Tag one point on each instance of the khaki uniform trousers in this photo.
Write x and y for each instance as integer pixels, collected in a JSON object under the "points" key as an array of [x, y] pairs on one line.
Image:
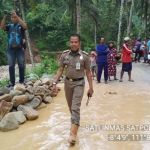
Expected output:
{"points": [[74, 93]]}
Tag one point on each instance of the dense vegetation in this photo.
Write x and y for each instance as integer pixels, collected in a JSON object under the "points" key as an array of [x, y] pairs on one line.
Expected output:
{"points": [[50, 23]]}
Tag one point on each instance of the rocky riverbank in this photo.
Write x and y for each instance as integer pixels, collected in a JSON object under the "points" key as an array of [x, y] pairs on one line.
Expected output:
{"points": [[22, 103]]}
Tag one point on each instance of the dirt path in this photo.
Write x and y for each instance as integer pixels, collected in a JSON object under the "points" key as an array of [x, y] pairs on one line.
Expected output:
{"points": [[130, 106]]}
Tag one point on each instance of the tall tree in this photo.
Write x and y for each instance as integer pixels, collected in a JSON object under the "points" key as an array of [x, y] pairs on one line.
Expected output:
{"points": [[130, 19], [27, 32], [120, 24], [78, 8]]}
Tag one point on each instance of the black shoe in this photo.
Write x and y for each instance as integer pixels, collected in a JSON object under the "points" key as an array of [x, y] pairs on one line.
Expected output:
{"points": [[10, 85]]}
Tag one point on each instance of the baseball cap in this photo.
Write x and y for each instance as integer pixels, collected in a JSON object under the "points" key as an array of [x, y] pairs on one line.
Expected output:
{"points": [[127, 39]]}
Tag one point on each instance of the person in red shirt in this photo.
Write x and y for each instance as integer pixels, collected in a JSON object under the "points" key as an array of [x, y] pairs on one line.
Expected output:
{"points": [[126, 59]]}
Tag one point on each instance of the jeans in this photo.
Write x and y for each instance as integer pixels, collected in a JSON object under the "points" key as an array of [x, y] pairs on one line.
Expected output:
{"points": [[102, 65], [12, 55]]}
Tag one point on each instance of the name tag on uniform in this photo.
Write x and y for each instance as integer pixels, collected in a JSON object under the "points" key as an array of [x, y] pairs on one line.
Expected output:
{"points": [[78, 66]]}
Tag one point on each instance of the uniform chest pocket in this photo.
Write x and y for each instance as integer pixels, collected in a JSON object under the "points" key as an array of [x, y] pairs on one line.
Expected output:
{"points": [[66, 61]]}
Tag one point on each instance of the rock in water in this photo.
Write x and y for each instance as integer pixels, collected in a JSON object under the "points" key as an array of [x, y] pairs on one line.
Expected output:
{"points": [[29, 112], [6, 97], [8, 123], [19, 117], [42, 105], [21, 99], [20, 87], [48, 99], [5, 108]]}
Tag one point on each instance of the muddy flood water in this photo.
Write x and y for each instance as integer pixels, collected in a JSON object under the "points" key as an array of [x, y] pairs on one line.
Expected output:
{"points": [[108, 123]]}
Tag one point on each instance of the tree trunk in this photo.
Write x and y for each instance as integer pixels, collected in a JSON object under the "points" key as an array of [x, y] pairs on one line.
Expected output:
{"points": [[95, 36], [130, 19], [27, 34], [78, 7], [120, 24]]}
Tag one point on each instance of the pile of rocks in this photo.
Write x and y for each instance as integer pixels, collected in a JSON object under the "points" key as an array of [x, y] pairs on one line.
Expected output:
{"points": [[21, 103]]}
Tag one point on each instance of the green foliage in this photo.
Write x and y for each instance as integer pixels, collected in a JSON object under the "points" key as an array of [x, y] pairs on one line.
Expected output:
{"points": [[4, 82], [3, 43], [47, 65], [41, 44]]}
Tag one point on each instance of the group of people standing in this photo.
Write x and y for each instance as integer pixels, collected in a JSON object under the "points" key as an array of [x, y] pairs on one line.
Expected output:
{"points": [[141, 48], [105, 58]]}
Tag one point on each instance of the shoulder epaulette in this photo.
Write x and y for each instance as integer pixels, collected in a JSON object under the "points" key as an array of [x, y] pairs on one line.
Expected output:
{"points": [[66, 51], [85, 53]]}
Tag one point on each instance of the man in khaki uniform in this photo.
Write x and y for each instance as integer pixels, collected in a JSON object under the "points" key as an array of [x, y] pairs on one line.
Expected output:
{"points": [[76, 63]]}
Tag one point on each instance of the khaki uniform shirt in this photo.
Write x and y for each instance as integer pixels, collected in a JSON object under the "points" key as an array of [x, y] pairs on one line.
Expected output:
{"points": [[69, 61]]}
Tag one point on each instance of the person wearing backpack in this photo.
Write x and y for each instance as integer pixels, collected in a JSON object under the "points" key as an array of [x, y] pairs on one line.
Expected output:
{"points": [[15, 50]]}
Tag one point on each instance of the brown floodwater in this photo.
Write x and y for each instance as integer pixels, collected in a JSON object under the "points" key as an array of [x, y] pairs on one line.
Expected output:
{"points": [[130, 106]]}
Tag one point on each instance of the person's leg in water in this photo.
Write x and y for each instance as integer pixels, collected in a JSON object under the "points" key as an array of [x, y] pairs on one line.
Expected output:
{"points": [[106, 72], [129, 74], [99, 73], [92, 69], [115, 77], [135, 58], [121, 75], [140, 55], [95, 71]]}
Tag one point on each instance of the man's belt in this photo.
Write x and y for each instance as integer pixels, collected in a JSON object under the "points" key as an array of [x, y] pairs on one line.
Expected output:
{"points": [[78, 79]]}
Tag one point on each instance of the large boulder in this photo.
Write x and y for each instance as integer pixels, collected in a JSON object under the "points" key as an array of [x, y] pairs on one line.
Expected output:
{"points": [[5, 90], [42, 105], [19, 117], [6, 97], [48, 99], [9, 122], [20, 87], [30, 90], [46, 81], [39, 97], [30, 96], [37, 83], [5, 108], [29, 83], [34, 103], [39, 90], [21, 99], [15, 93], [29, 112]]}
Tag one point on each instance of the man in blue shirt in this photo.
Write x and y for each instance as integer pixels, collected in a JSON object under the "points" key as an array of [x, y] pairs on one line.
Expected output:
{"points": [[102, 52]]}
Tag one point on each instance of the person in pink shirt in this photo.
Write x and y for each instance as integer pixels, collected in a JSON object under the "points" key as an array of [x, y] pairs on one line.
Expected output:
{"points": [[126, 59]]}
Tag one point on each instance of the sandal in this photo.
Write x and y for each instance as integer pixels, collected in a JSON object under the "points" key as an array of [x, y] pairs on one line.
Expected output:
{"points": [[120, 80], [106, 82], [131, 80]]}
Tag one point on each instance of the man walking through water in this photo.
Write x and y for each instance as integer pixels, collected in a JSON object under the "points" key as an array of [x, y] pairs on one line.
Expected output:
{"points": [[76, 63]]}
